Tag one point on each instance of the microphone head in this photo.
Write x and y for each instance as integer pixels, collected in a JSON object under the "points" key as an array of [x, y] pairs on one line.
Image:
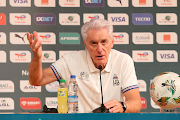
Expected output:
{"points": [[100, 67]]}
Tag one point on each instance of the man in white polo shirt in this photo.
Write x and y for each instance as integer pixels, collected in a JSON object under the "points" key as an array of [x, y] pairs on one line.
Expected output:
{"points": [[118, 74]]}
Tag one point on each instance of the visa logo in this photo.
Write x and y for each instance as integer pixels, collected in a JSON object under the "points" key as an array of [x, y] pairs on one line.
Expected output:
{"points": [[93, 1], [118, 19], [167, 56], [44, 18], [20, 1]]}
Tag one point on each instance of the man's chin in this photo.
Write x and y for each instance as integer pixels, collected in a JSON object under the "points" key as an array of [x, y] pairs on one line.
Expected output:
{"points": [[102, 63]]}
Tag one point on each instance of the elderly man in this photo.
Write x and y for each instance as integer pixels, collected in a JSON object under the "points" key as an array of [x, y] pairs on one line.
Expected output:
{"points": [[118, 74]]}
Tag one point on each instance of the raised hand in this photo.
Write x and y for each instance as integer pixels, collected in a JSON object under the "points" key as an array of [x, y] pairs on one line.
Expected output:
{"points": [[35, 45]]}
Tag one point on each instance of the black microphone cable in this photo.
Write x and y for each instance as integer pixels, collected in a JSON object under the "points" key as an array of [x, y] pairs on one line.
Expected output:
{"points": [[102, 104], [101, 109], [100, 68]]}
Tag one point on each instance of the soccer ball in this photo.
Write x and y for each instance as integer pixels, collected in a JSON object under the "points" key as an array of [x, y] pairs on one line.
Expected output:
{"points": [[165, 90]]}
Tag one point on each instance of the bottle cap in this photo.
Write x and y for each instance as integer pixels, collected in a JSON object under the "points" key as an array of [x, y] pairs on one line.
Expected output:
{"points": [[62, 80], [73, 76]]}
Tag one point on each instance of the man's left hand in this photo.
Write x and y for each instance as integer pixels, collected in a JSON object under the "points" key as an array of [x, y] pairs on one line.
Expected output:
{"points": [[114, 106]]}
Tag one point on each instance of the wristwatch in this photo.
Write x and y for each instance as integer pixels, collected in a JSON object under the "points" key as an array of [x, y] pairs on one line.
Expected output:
{"points": [[124, 106]]}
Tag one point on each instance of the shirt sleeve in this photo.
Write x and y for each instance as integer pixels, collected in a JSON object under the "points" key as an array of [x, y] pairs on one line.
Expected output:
{"points": [[129, 78], [60, 69]]}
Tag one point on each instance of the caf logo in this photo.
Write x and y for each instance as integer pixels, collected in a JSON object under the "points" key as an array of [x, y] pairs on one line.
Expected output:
{"points": [[115, 80]]}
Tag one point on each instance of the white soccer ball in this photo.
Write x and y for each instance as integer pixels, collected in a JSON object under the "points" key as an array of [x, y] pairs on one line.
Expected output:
{"points": [[165, 90]]}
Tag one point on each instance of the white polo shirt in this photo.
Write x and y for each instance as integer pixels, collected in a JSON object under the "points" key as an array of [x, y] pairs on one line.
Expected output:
{"points": [[117, 77]]}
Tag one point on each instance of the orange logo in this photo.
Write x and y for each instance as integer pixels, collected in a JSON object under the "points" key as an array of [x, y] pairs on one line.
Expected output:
{"points": [[2, 19], [167, 38], [142, 2], [44, 2]]}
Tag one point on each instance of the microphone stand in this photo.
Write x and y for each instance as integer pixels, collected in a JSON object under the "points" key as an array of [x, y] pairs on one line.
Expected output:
{"points": [[101, 109]]}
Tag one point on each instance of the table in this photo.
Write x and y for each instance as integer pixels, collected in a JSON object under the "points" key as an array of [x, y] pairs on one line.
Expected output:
{"points": [[90, 116]]}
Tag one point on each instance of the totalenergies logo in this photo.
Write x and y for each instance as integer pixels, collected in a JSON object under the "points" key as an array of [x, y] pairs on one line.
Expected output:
{"points": [[46, 37], [22, 55], [119, 37], [145, 54], [167, 18], [70, 0], [70, 18], [22, 17], [167, 0], [96, 16]]}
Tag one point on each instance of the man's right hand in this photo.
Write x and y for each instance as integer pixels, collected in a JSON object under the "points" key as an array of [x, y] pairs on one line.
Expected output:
{"points": [[37, 75], [35, 45]]}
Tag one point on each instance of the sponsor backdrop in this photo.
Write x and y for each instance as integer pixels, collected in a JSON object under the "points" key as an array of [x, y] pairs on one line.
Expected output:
{"points": [[147, 30]]}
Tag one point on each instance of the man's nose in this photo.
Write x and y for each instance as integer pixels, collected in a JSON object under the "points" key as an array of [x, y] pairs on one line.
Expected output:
{"points": [[99, 48]]}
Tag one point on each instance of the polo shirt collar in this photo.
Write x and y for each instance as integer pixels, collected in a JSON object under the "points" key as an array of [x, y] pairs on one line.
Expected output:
{"points": [[92, 67]]}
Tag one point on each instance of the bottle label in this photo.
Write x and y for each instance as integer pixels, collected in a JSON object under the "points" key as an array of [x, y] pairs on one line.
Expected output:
{"points": [[63, 93], [73, 99], [76, 88]]}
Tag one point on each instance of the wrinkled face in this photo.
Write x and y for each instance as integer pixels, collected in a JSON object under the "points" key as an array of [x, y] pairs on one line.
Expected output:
{"points": [[99, 45]]}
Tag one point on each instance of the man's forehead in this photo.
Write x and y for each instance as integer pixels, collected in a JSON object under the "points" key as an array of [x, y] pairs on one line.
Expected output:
{"points": [[103, 33], [97, 29]]}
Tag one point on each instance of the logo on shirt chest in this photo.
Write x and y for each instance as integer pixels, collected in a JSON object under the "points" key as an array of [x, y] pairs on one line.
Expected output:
{"points": [[84, 76], [115, 80]]}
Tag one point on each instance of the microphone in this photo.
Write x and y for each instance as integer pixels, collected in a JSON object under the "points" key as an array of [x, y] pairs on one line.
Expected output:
{"points": [[101, 109]]}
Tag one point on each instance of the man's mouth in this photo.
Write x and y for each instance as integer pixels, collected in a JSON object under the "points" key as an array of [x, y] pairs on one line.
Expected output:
{"points": [[99, 56]]}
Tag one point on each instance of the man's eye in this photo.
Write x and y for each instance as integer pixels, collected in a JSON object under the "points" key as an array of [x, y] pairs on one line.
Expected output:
{"points": [[104, 41], [93, 43]]}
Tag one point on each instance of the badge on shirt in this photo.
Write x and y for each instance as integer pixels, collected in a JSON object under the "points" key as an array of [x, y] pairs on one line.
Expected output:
{"points": [[115, 80], [84, 76]]}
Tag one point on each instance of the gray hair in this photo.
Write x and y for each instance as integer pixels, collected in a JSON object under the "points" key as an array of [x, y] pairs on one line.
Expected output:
{"points": [[96, 24]]}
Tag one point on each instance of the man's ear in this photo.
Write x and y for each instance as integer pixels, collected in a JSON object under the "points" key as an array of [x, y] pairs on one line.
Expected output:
{"points": [[85, 43], [112, 43]]}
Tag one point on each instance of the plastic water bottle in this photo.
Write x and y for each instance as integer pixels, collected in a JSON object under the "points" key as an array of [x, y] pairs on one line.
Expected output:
{"points": [[62, 97], [73, 95]]}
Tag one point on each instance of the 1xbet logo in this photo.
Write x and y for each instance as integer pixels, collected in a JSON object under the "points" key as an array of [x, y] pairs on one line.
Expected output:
{"points": [[94, 3], [45, 19]]}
